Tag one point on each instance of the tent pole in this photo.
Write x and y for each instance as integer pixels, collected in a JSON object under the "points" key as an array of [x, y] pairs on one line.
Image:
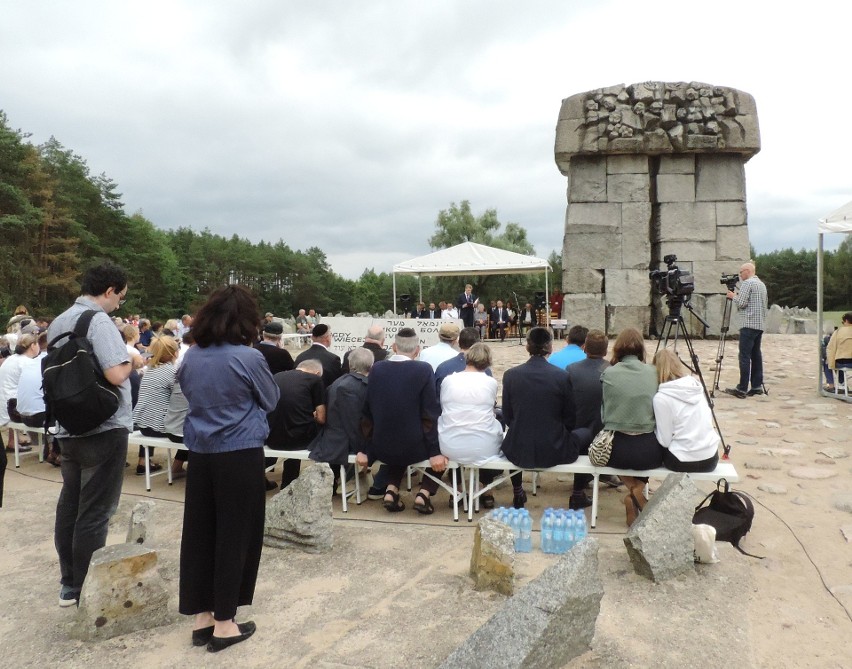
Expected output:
{"points": [[547, 295], [420, 284], [394, 293], [819, 311]]}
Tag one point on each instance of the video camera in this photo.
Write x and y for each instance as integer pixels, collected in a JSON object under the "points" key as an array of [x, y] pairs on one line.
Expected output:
{"points": [[730, 280], [672, 281]]}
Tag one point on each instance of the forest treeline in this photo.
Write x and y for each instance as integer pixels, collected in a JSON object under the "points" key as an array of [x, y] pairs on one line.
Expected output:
{"points": [[56, 219]]}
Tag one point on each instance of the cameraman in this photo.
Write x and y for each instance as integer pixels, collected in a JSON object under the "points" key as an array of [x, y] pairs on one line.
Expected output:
{"points": [[751, 302]]}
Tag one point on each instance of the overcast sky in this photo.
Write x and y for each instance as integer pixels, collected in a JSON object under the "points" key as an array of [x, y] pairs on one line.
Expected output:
{"points": [[349, 125]]}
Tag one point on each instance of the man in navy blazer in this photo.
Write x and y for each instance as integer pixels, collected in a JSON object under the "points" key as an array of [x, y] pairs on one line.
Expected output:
{"points": [[402, 413], [466, 303], [539, 410]]}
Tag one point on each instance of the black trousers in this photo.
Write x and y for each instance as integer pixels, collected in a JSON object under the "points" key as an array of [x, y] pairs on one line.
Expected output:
{"points": [[183, 456], [671, 462], [222, 539]]}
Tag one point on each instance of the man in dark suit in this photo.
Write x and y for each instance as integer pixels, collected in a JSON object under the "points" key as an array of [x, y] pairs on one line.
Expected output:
{"points": [[539, 410], [373, 342], [402, 411], [278, 359], [466, 304], [500, 320], [584, 378], [331, 367], [432, 313], [526, 319]]}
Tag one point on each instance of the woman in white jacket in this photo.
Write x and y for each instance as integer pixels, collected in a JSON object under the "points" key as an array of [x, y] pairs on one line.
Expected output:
{"points": [[684, 422]]}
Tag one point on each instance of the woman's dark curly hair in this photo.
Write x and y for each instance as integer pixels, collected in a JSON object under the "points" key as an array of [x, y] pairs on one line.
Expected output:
{"points": [[230, 316]]}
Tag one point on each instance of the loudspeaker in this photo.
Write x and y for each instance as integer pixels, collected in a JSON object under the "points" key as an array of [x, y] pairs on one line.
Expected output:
{"points": [[539, 300]]}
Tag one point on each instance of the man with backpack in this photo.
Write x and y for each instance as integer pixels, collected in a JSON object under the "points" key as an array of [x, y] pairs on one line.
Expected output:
{"points": [[94, 416]]}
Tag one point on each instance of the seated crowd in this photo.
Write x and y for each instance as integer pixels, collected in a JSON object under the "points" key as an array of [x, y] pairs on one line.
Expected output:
{"points": [[436, 404]]}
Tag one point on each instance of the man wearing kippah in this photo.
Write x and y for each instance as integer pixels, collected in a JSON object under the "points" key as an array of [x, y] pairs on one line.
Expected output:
{"points": [[319, 350]]}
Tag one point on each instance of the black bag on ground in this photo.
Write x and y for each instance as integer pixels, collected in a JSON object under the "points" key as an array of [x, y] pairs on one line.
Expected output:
{"points": [[730, 512], [76, 394]]}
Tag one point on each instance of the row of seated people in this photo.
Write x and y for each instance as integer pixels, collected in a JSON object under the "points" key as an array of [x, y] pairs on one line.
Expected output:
{"points": [[441, 410]]}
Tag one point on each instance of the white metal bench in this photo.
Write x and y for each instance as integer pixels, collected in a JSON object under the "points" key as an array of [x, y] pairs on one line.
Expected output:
{"points": [[725, 469], [38, 448], [138, 439]]}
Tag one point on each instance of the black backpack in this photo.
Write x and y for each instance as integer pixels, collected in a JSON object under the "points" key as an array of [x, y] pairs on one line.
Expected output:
{"points": [[76, 394], [729, 511]]}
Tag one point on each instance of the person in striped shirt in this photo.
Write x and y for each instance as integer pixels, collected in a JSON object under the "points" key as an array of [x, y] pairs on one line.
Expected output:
{"points": [[154, 392]]}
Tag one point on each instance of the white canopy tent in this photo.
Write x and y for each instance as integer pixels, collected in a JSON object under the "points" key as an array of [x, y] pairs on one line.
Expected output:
{"points": [[840, 221], [469, 258]]}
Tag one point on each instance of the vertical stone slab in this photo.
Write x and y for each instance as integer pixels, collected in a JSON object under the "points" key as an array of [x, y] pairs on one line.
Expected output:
{"points": [[137, 533], [123, 592], [660, 542], [300, 515], [492, 562], [545, 625]]}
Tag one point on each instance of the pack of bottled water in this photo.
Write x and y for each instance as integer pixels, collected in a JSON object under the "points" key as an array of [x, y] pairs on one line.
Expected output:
{"points": [[520, 521], [562, 529]]}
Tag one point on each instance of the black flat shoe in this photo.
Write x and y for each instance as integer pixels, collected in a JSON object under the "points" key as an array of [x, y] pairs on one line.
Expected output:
{"points": [[201, 637], [221, 643], [519, 500]]}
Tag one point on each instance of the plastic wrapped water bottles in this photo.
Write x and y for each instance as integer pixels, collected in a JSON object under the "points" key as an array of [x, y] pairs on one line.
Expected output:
{"points": [[561, 529]]}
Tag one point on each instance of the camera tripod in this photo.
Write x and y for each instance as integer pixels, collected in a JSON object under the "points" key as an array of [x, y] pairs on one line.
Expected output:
{"points": [[720, 352], [674, 323]]}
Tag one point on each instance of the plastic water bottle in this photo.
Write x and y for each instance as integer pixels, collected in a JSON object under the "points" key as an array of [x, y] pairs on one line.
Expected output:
{"points": [[526, 532], [558, 532], [571, 527], [547, 531], [580, 529], [570, 533], [515, 524]]}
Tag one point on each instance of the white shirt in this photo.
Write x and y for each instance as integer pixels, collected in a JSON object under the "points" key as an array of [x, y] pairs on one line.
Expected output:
{"points": [[436, 354], [10, 374], [468, 431], [684, 422], [30, 394], [450, 314]]}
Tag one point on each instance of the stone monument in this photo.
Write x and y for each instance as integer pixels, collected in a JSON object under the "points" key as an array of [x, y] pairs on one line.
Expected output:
{"points": [[653, 169]]}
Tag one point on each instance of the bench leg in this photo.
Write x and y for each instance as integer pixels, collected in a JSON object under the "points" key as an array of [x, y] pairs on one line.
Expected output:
{"points": [[473, 498], [147, 469], [535, 483], [17, 446], [594, 514], [358, 499], [169, 465], [343, 488], [455, 496]]}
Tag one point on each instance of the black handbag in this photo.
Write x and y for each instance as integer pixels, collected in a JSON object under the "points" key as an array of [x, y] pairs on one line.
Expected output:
{"points": [[729, 512]]}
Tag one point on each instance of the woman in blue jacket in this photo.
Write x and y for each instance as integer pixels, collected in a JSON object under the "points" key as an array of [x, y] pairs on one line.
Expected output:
{"points": [[229, 389]]}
